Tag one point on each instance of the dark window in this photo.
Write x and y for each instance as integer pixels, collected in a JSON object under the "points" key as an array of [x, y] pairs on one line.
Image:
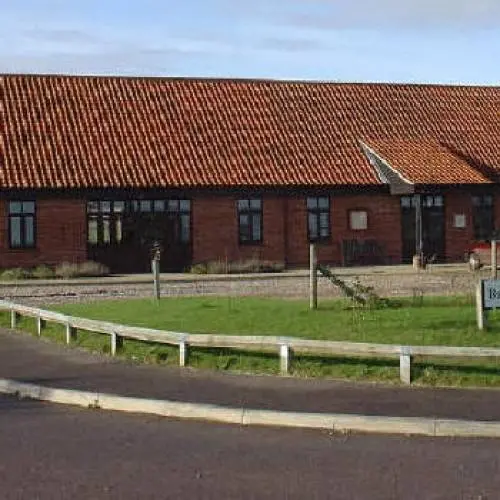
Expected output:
{"points": [[250, 220], [22, 233], [181, 209], [483, 218], [318, 218], [105, 222]]}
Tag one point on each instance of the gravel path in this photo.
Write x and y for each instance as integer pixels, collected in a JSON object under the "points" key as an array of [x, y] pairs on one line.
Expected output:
{"points": [[386, 284]]}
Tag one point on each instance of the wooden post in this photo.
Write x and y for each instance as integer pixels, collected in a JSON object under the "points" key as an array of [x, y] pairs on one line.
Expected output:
{"points": [[155, 268], [284, 359], [405, 359], [419, 243], [116, 343], [494, 272], [70, 333], [480, 311], [183, 351], [40, 325], [313, 277], [13, 318]]}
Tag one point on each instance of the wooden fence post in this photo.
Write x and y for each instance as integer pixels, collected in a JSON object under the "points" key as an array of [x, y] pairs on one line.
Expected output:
{"points": [[116, 343], [405, 359], [284, 359], [155, 267], [313, 277], [480, 311], [13, 318], [70, 333], [183, 352], [40, 325]]}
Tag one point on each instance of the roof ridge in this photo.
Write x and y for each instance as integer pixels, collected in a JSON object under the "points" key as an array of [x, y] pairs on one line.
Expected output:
{"points": [[228, 79]]}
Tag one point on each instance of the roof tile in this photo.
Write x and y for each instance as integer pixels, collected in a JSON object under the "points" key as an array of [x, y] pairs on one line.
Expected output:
{"points": [[84, 132]]}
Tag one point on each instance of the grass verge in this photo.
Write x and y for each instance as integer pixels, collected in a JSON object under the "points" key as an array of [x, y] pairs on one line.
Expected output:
{"points": [[427, 321]]}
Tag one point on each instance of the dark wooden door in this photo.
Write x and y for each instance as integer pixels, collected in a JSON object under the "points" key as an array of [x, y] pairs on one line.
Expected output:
{"points": [[433, 227]]}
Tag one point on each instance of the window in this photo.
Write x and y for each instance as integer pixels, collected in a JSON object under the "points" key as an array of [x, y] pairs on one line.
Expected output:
{"points": [[483, 216], [318, 218], [105, 222], [459, 221], [358, 220], [181, 210], [22, 232], [250, 220]]}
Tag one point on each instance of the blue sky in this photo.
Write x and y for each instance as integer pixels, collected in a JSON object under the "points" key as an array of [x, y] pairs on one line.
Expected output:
{"points": [[439, 41]]}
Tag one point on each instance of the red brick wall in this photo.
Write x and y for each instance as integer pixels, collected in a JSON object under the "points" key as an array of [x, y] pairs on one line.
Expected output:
{"points": [[60, 235], [215, 230], [213, 239], [61, 229]]}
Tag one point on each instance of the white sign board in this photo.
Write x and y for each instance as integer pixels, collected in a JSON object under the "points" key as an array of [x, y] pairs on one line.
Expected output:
{"points": [[491, 294]]}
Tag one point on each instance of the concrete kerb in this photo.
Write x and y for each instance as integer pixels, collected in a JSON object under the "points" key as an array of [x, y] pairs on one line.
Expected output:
{"points": [[342, 423]]}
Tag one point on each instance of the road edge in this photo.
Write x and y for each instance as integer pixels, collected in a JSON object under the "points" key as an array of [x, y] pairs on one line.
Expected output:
{"points": [[334, 422]]}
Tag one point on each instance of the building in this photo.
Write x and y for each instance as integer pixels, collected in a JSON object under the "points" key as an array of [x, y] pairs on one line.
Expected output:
{"points": [[101, 167]]}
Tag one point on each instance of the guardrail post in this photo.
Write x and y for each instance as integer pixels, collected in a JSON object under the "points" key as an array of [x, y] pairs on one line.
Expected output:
{"points": [[14, 316], [116, 343], [183, 353], [40, 325], [70, 333], [284, 359], [405, 359]]}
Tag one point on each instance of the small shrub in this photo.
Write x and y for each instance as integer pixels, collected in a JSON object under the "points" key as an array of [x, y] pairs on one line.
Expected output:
{"points": [[92, 269], [217, 267], [200, 268], [66, 270], [42, 272], [237, 267], [87, 269], [15, 273]]}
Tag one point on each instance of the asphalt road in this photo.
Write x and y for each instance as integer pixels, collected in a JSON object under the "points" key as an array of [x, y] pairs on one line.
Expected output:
{"points": [[55, 452]]}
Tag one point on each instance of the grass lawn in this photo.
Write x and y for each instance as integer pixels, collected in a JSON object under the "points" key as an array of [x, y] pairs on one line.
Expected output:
{"points": [[431, 321]]}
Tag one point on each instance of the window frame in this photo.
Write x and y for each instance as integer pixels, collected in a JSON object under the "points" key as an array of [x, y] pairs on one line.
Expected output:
{"points": [[112, 215], [23, 216], [353, 211], [317, 212], [479, 209], [173, 208], [250, 212]]}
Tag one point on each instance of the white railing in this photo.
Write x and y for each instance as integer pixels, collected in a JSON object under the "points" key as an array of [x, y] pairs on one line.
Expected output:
{"points": [[284, 346]]}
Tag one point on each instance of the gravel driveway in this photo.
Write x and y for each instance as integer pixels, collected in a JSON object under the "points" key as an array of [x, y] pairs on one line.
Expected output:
{"points": [[433, 282]]}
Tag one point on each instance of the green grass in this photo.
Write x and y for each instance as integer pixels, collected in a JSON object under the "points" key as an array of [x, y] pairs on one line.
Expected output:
{"points": [[429, 321]]}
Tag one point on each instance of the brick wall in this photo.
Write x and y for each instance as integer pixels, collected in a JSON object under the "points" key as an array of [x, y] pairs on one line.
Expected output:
{"points": [[61, 229], [215, 230], [285, 229], [60, 235]]}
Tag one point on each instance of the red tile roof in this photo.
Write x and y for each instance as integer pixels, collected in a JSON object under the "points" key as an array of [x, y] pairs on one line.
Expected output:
{"points": [[426, 161], [79, 132]]}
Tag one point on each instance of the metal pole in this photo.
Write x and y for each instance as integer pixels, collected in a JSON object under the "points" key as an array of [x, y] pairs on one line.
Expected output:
{"points": [[494, 272], [418, 228], [313, 277]]}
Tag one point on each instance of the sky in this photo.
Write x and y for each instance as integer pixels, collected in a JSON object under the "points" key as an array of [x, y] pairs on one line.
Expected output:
{"points": [[425, 41]]}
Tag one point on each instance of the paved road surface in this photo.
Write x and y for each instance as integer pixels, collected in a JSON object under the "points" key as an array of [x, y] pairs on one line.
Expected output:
{"points": [[55, 452], [25, 358]]}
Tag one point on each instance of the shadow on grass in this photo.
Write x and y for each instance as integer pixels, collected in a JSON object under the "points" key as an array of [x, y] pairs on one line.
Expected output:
{"points": [[419, 369]]}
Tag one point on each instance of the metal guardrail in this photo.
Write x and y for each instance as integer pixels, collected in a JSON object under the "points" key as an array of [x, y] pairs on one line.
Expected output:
{"points": [[283, 345]]}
